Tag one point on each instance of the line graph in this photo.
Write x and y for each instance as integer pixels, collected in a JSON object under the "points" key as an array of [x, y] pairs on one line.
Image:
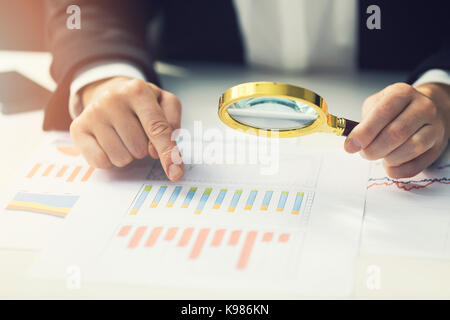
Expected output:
{"points": [[407, 185]]}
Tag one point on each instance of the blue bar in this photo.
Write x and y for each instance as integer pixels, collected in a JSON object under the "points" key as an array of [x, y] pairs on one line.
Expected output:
{"points": [[174, 196], [220, 198], [235, 200], [266, 200], [251, 199], [158, 196], [142, 197], [297, 203], [160, 193], [282, 201], [203, 199], [189, 197]]}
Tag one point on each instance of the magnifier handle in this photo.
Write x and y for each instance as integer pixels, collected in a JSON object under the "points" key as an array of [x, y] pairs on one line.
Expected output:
{"points": [[349, 125]]}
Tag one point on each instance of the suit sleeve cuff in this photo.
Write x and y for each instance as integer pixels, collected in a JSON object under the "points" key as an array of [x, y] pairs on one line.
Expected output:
{"points": [[434, 76], [98, 71]]}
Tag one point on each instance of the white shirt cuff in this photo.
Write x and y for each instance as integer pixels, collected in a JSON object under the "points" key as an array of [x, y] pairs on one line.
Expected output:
{"points": [[98, 71], [435, 76]]}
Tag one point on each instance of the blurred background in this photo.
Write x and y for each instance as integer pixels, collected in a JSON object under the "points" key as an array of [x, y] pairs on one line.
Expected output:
{"points": [[22, 25]]}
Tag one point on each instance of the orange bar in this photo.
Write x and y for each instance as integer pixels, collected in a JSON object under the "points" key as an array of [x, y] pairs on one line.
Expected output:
{"points": [[33, 171], [74, 174], [284, 237], [48, 170], [69, 150], [137, 236], [217, 238], [246, 250], [198, 245], [153, 237], [124, 231], [267, 237], [171, 233], [87, 175], [234, 238], [185, 237], [62, 171]]}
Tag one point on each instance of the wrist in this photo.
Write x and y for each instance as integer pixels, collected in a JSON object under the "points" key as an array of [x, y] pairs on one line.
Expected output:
{"points": [[90, 90]]}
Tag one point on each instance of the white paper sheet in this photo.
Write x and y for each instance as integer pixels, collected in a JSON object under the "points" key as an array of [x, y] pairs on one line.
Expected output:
{"points": [[46, 192], [409, 217], [129, 230]]}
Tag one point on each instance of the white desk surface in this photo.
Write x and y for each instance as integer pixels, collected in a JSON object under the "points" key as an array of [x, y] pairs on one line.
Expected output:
{"points": [[199, 86]]}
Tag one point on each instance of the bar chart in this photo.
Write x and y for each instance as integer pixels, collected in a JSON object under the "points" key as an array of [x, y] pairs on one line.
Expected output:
{"points": [[50, 204], [191, 244], [219, 199], [62, 172]]}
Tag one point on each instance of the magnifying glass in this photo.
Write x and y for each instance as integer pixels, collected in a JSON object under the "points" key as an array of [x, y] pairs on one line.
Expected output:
{"points": [[278, 109]]}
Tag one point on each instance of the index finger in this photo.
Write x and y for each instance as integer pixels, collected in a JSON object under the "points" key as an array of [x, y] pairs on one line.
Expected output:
{"points": [[394, 100], [158, 130]]}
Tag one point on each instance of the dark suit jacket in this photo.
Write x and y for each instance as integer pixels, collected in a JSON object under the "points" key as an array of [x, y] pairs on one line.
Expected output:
{"points": [[414, 36]]}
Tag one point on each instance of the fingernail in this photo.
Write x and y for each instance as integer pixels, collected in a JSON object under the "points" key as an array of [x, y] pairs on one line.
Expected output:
{"points": [[175, 156], [175, 172], [353, 145]]}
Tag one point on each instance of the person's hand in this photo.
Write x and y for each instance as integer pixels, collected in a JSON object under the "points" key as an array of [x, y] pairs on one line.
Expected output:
{"points": [[407, 127], [125, 119]]}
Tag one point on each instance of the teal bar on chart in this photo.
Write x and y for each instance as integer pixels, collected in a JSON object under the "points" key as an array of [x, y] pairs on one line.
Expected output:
{"points": [[174, 196], [220, 198], [251, 199], [158, 196], [282, 201], [189, 197], [235, 200], [141, 199], [203, 200], [266, 200], [298, 203]]}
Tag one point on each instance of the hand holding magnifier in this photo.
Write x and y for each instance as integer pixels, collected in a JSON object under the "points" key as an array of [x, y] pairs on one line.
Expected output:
{"points": [[287, 110]]}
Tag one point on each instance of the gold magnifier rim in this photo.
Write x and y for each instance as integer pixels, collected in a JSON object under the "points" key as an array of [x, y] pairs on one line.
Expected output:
{"points": [[323, 123]]}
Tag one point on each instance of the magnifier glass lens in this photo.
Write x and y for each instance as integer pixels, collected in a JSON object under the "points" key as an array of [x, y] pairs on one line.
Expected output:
{"points": [[270, 113]]}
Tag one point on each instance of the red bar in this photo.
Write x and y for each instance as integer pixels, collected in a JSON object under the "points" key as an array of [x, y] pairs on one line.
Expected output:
{"points": [[33, 171], [171, 233], [246, 250], [185, 237], [267, 237], [198, 245], [124, 231], [153, 237], [87, 175], [48, 170], [74, 174], [284, 237], [217, 238], [62, 171], [137, 237], [234, 238]]}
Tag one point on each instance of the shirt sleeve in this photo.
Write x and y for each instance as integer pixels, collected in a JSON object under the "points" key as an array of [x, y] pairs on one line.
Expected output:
{"points": [[98, 71], [434, 75]]}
